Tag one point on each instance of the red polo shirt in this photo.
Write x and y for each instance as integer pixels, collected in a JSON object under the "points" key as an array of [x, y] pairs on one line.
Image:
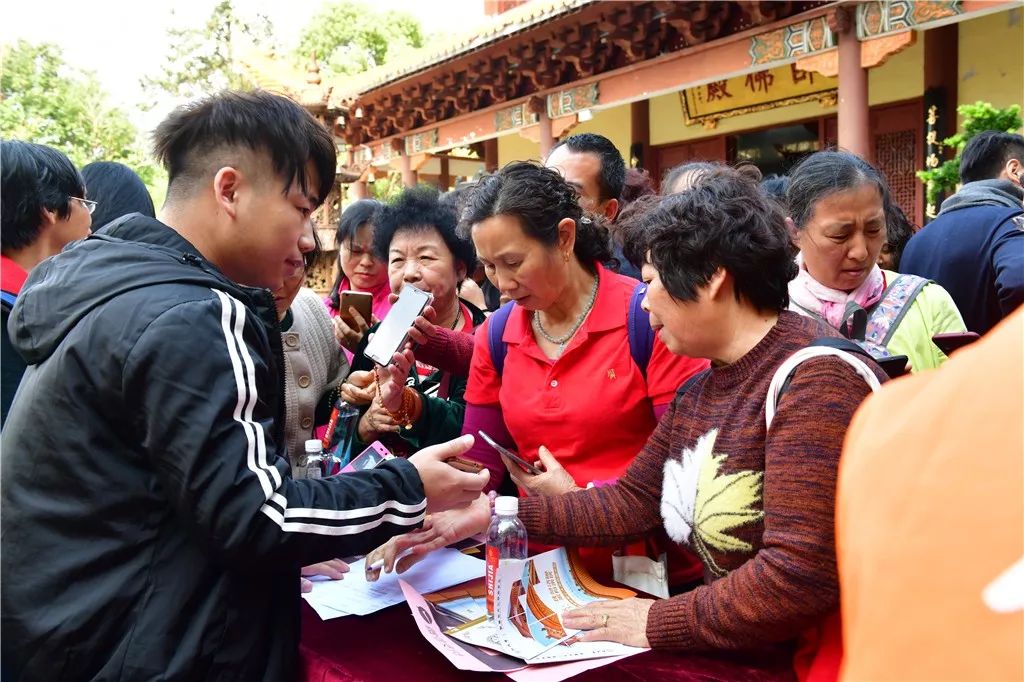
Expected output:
{"points": [[591, 407], [12, 277]]}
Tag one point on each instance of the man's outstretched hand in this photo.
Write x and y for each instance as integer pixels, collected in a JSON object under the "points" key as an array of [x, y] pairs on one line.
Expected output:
{"points": [[445, 486]]}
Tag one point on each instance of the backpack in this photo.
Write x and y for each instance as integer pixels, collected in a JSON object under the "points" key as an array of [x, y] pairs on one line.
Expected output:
{"points": [[7, 300], [844, 349], [638, 329], [872, 328]]}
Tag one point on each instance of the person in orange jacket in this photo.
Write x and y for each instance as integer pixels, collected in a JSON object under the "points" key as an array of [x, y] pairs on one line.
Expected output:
{"points": [[930, 521]]}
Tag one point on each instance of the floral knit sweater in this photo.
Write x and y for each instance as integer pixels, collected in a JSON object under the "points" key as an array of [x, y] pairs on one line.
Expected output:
{"points": [[756, 505]]}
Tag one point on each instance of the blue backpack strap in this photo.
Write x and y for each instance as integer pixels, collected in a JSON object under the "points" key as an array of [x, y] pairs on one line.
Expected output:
{"points": [[688, 384], [8, 299], [495, 330], [638, 329]]}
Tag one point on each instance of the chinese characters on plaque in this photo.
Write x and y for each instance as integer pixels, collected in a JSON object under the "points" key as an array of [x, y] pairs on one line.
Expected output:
{"points": [[754, 92]]}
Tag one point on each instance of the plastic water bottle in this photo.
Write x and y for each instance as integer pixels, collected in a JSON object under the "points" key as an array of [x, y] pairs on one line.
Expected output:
{"points": [[506, 539], [310, 465]]}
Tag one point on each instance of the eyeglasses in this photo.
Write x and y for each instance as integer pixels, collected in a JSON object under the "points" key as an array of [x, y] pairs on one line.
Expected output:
{"points": [[88, 204]]}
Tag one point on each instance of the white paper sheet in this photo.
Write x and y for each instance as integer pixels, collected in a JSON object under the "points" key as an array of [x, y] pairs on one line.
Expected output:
{"points": [[354, 595]]}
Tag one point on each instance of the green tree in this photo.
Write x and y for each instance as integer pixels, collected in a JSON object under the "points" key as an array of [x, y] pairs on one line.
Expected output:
{"points": [[350, 37], [978, 118], [44, 100], [201, 59]]}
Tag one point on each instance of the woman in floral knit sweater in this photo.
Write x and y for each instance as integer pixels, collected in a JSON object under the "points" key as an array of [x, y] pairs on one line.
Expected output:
{"points": [[755, 503]]}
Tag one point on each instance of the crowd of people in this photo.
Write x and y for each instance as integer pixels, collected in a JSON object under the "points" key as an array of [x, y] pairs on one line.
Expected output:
{"points": [[683, 367]]}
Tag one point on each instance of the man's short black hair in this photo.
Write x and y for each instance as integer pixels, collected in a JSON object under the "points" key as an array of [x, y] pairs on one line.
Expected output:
{"points": [[985, 155], [34, 177], [199, 138], [613, 167], [419, 209], [723, 221]]}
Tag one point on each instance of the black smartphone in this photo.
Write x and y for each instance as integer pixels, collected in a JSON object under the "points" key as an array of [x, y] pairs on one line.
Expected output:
{"points": [[394, 328], [951, 341], [894, 365], [511, 455]]}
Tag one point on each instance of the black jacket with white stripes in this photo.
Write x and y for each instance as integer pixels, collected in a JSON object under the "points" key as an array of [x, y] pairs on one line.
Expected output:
{"points": [[150, 526]]}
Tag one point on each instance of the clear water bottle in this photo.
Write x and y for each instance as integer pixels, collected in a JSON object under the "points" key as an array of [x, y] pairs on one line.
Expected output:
{"points": [[311, 463], [506, 539]]}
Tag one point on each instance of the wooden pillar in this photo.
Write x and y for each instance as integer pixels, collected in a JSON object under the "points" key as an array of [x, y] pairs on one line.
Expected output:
{"points": [[444, 180], [409, 178], [491, 155], [359, 190], [539, 105], [854, 133], [640, 128], [941, 47]]}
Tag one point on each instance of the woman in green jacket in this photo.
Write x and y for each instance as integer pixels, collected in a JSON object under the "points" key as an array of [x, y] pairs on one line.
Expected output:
{"points": [[838, 205], [415, 235]]}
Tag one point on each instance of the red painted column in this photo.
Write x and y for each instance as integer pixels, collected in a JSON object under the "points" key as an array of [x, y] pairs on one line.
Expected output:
{"points": [[444, 180], [539, 105], [547, 138], [854, 132], [491, 155], [409, 176]]}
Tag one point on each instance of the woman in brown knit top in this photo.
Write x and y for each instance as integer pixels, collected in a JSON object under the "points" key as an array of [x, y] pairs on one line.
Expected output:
{"points": [[755, 503]]}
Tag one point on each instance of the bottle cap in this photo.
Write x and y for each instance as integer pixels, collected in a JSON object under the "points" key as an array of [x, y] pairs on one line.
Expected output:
{"points": [[313, 446], [506, 506]]}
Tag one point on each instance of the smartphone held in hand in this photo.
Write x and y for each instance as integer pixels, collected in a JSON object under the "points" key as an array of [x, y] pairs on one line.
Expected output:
{"points": [[391, 335], [360, 300], [511, 455]]}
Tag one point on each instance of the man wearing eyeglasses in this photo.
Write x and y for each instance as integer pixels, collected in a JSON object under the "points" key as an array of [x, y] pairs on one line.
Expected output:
{"points": [[43, 208]]}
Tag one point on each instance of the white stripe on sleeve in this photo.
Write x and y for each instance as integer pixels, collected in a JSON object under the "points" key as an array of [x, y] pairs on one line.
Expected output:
{"points": [[248, 427]]}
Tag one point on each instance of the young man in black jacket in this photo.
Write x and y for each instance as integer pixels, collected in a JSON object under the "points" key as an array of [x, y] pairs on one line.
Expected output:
{"points": [[151, 528]]}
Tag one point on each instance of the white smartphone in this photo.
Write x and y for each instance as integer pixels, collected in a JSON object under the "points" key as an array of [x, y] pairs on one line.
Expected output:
{"points": [[391, 335]]}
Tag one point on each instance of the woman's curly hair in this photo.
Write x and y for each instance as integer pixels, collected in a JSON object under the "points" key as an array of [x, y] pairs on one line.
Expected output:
{"points": [[722, 221], [539, 198], [419, 209]]}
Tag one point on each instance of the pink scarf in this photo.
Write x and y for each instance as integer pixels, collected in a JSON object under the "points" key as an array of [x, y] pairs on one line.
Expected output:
{"points": [[814, 297]]}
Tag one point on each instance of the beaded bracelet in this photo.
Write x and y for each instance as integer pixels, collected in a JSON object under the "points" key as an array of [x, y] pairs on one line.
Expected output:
{"points": [[404, 415]]}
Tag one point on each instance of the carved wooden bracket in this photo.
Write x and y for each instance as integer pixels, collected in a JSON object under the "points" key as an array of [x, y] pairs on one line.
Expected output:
{"points": [[876, 51], [826, 63]]}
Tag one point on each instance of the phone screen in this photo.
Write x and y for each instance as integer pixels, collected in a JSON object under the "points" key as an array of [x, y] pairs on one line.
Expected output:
{"points": [[369, 458], [390, 336]]}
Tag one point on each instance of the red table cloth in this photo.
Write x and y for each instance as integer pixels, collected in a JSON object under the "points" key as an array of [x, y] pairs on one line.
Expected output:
{"points": [[387, 647]]}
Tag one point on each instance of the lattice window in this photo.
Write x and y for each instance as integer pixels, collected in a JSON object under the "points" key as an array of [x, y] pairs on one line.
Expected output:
{"points": [[320, 277], [896, 157]]}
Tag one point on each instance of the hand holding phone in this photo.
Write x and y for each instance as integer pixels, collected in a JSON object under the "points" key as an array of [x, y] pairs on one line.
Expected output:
{"points": [[394, 328], [361, 301], [463, 464], [529, 468]]}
